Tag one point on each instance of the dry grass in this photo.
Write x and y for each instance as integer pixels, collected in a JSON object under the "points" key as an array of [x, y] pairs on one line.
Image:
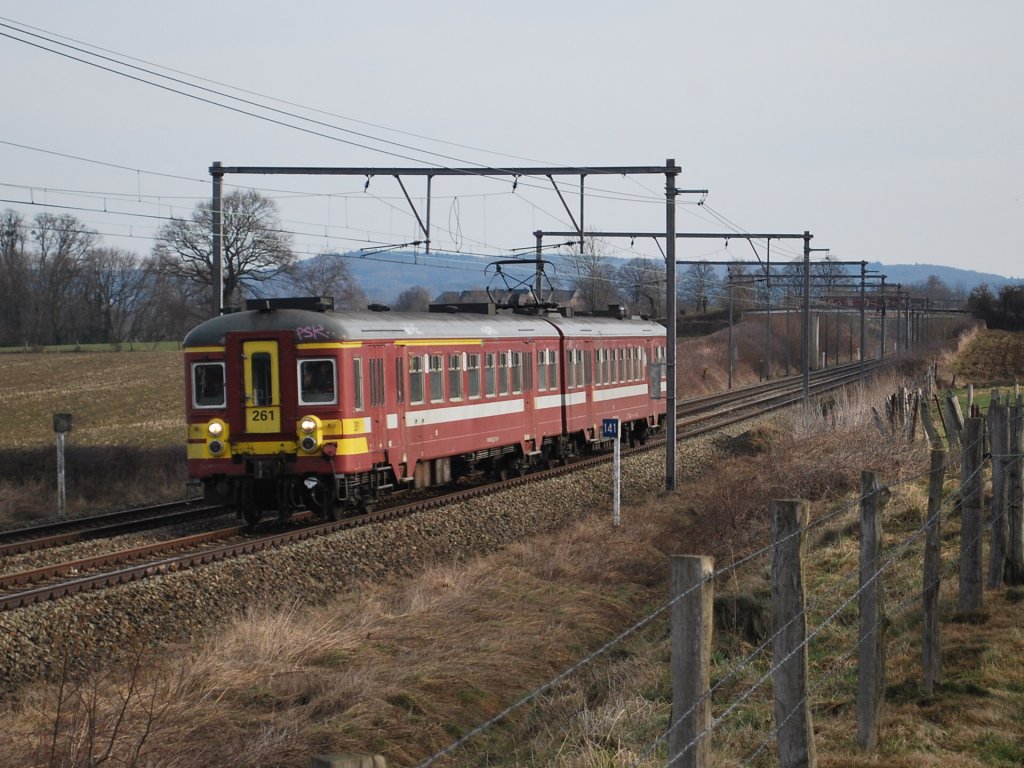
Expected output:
{"points": [[405, 667], [127, 440]]}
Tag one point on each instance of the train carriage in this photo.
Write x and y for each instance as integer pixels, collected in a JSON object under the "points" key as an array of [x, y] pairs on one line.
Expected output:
{"points": [[292, 405]]}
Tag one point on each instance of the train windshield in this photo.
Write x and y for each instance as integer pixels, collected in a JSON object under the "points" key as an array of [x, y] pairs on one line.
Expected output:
{"points": [[317, 382], [208, 385]]}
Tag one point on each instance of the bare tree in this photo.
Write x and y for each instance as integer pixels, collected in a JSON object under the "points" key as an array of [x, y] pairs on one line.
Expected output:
{"points": [[828, 276], [593, 275], [112, 281], [642, 282], [415, 299], [328, 275], [61, 245], [14, 278], [699, 286], [254, 247]]}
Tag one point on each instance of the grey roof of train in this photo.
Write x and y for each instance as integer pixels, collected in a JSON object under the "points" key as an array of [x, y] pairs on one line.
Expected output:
{"points": [[362, 326]]}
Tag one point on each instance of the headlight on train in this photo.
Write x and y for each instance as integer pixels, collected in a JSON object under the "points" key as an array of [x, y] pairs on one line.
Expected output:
{"points": [[215, 428], [310, 433]]}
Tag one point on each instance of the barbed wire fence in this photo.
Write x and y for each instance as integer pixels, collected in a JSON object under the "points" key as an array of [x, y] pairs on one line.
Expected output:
{"points": [[972, 460]]}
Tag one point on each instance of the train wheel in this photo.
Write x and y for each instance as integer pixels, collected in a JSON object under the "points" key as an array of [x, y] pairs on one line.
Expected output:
{"points": [[251, 516], [245, 504]]}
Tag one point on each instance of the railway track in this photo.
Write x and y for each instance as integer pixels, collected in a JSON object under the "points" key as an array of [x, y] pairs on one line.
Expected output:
{"points": [[60, 532], [696, 416]]}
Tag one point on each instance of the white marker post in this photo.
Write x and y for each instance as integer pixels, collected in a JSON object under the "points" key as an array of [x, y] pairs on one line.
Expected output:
{"points": [[610, 429], [61, 425]]}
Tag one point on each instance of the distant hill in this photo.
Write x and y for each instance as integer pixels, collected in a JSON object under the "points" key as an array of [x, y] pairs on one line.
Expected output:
{"points": [[957, 279], [383, 276]]}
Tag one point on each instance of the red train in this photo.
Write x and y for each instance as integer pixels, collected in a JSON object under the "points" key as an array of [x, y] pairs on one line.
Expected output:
{"points": [[291, 405]]}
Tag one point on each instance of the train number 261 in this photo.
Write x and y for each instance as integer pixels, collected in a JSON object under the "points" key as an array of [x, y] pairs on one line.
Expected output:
{"points": [[262, 415]]}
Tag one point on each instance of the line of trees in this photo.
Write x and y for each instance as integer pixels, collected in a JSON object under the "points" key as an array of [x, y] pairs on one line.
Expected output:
{"points": [[639, 284], [1003, 310], [61, 285]]}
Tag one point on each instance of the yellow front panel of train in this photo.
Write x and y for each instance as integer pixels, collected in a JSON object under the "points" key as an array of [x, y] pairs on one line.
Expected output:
{"points": [[262, 380]]}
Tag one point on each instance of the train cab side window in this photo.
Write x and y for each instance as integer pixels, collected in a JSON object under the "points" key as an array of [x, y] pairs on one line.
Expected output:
{"points": [[317, 382], [473, 375], [357, 383], [415, 380], [208, 385]]}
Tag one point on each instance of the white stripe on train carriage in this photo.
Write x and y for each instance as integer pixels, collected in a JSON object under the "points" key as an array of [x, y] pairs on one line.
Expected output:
{"points": [[463, 412], [635, 390], [555, 401]]}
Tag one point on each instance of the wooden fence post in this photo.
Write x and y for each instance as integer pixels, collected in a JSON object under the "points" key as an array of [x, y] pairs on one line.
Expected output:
{"points": [[927, 422], [971, 530], [931, 646], [1015, 496], [795, 732], [954, 420], [871, 634], [689, 737], [999, 438]]}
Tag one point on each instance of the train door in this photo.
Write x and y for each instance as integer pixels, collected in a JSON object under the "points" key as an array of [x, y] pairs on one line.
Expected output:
{"points": [[261, 378]]}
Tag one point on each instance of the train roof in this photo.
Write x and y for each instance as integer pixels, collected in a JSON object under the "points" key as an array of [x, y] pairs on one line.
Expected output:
{"points": [[586, 326], [365, 326]]}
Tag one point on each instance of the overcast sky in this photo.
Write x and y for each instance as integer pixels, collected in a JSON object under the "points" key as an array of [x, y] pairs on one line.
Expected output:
{"points": [[893, 131]]}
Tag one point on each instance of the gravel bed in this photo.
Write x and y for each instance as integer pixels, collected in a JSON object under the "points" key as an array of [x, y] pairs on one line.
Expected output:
{"points": [[183, 606]]}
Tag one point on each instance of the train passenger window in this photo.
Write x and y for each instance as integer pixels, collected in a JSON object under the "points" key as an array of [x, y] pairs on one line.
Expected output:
{"points": [[316, 381], [436, 373], [527, 371], [552, 369], [489, 374], [357, 382], [588, 366], [517, 372], [262, 379], [399, 382], [455, 377], [606, 375], [503, 373], [570, 368], [621, 354], [542, 370], [208, 385], [473, 375], [415, 380], [597, 366]]}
